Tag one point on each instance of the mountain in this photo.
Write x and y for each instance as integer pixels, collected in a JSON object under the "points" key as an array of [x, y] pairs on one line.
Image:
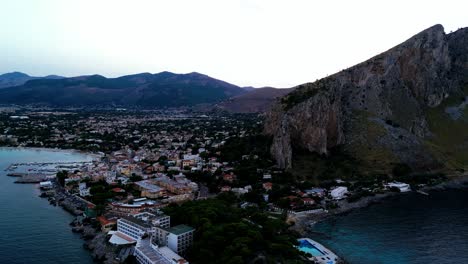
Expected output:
{"points": [[258, 100], [163, 89], [249, 88], [406, 105], [19, 78]]}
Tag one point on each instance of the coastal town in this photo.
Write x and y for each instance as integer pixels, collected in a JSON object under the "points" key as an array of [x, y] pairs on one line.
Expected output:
{"points": [[148, 164]]}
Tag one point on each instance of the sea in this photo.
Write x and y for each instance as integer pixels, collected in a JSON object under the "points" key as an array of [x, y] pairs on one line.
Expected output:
{"points": [[31, 230], [407, 229]]}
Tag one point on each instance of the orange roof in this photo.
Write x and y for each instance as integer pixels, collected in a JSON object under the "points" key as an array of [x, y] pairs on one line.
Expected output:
{"points": [[104, 221], [118, 190]]}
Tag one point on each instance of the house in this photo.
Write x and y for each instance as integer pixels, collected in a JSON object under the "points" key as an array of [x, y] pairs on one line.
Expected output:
{"points": [[320, 192], [118, 190], [339, 192], [226, 188], [106, 224], [308, 201], [229, 177], [403, 187], [46, 185], [267, 186]]}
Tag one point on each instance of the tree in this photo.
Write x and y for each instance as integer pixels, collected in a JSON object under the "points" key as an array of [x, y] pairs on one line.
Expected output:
{"points": [[61, 176]]}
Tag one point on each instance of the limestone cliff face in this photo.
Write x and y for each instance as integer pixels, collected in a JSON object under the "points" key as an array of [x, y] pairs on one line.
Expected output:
{"points": [[396, 86]]}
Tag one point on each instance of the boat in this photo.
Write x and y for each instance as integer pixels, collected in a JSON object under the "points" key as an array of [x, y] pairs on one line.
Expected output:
{"points": [[422, 192], [317, 252]]}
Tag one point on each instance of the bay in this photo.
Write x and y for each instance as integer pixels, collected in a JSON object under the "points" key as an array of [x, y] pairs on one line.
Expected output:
{"points": [[31, 230], [406, 229]]}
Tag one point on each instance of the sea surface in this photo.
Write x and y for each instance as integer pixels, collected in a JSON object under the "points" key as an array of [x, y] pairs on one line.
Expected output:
{"points": [[31, 230], [407, 229]]}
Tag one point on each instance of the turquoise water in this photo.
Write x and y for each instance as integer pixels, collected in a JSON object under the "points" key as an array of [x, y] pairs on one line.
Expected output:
{"points": [[31, 230], [306, 247], [409, 229]]}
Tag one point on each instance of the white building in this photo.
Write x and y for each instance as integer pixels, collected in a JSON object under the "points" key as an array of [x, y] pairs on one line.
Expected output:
{"points": [[46, 185], [83, 190], [147, 252], [180, 238], [403, 187], [133, 227], [339, 192]]}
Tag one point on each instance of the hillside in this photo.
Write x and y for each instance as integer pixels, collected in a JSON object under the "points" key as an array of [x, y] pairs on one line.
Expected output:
{"points": [[256, 101], [164, 89], [18, 78], [406, 105]]}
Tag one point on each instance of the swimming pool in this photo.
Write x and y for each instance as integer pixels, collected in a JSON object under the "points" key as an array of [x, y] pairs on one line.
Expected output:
{"points": [[307, 247]]}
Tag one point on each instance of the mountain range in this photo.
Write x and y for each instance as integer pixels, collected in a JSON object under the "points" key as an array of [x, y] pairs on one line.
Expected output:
{"points": [[406, 105], [163, 89], [19, 78]]}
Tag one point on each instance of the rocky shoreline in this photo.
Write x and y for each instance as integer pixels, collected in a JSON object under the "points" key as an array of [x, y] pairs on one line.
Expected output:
{"points": [[94, 240]]}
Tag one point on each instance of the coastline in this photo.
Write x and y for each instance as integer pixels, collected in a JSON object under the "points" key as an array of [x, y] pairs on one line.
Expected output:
{"points": [[93, 240], [304, 224], [91, 154]]}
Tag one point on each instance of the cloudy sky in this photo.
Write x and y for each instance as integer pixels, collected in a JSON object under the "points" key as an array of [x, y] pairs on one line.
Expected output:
{"points": [[245, 42]]}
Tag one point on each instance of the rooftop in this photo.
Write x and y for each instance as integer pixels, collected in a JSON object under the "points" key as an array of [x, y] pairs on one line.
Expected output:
{"points": [[136, 221], [149, 185], [180, 229], [145, 247]]}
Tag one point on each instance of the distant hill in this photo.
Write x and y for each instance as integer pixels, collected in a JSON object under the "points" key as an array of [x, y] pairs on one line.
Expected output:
{"points": [[163, 89], [249, 88], [257, 101], [18, 78]]}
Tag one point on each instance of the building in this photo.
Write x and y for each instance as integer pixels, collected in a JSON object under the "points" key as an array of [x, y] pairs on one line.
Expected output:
{"points": [[46, 185], [84, 191], [403, 187], [149, 189], [133, 227], [106, 224], [140, 226], [138, 206], [148, 253], [339, 192], [178, 238], [156, 219], [267, 186], [320, 192]]}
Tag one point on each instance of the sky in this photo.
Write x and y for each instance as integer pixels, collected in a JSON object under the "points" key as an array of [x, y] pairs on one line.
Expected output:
{"points": [[244, 42]]}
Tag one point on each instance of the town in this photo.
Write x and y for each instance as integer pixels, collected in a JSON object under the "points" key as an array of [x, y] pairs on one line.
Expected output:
{"points": [[150, 166]]}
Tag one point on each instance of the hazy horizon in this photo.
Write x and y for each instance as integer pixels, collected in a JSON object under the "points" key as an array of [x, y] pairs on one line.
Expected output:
{"points": [[247, 43]]}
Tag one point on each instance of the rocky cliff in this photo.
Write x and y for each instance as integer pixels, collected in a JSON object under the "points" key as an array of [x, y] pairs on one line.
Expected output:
{"points": [[378, 109]]}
